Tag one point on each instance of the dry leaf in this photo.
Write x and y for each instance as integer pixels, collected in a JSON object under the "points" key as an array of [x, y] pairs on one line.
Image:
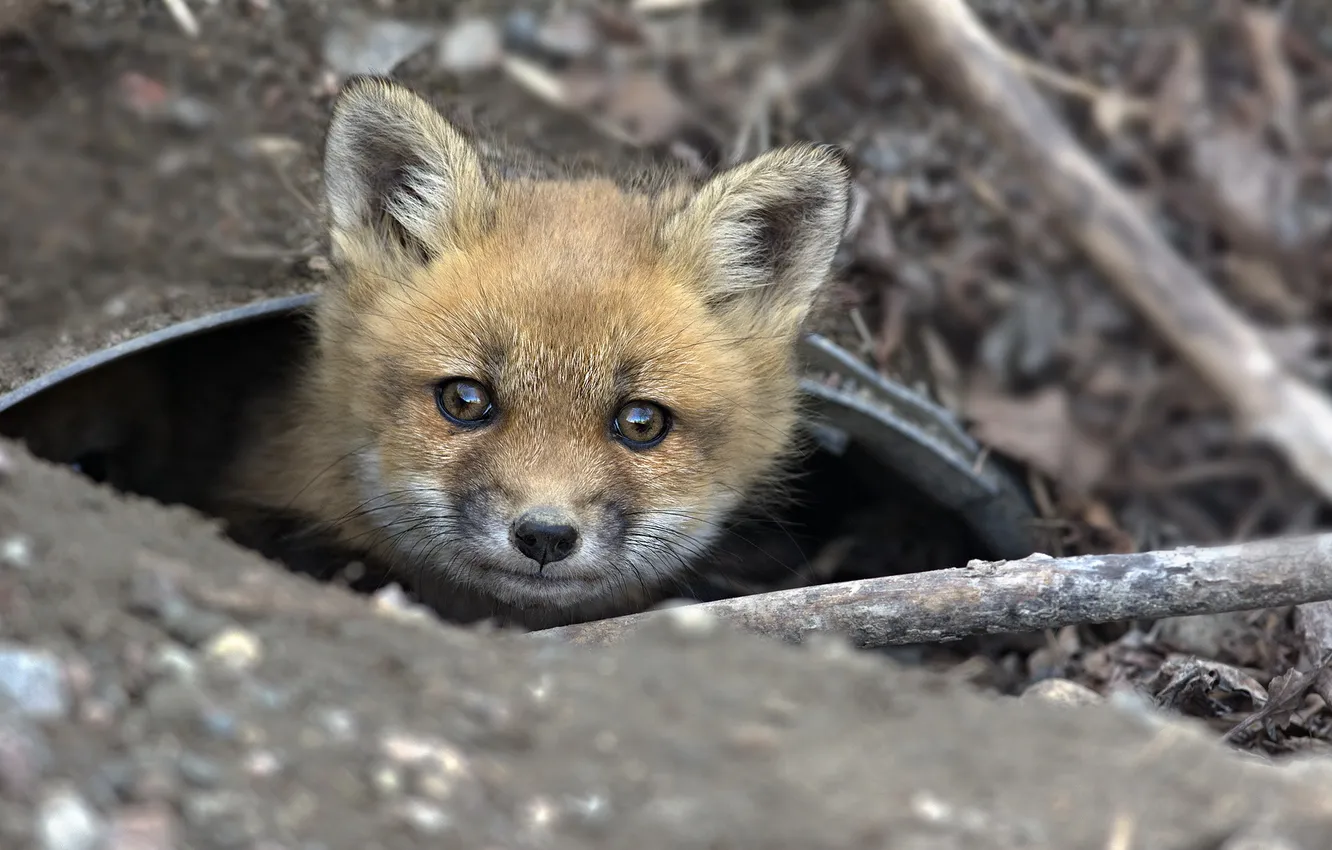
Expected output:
{"points": [[1286, 696], [1114, 539], [1193, 685], [873, 243], [1181, 98], [15, 14], [1262, 285], [1039, 430], [645, 108], [471, 45], [1254, 189], [1264, 33]]}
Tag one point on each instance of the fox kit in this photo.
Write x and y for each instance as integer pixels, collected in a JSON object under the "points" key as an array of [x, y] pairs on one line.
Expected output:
{"points": [[539, 399]]}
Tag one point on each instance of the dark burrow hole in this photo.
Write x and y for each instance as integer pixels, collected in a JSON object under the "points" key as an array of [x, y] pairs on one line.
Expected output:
{"points": [[852, 516]]}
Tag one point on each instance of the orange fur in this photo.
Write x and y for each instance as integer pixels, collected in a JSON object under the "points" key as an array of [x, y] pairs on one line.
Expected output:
{"points": [[567, 298]]}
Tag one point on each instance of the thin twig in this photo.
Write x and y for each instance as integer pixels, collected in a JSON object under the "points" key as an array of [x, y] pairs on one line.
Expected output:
{"points": [[1034, 593], [1131, 108], [952, 48], [183, 17]]}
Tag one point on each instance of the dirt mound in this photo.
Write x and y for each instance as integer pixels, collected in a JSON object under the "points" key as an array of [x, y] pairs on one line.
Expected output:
{"points": [[206, 695]]}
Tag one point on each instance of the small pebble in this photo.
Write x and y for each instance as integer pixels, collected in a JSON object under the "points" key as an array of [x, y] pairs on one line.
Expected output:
{"points": [[191, 626], [236, 649], [753, 738], [569, 35], [394, 602], [115, 308], [24, 753], [156, 778], [229, 817], [148, 827], [98, 712], [34, 679], [173, 703], [930, 808], [540, 814], [338, 723], [427, 818], [407, 748], [521, 28], [199, 771], [220, 724], [1060, 692], [79, 677], [160, 596], [262, 764], [591, 810], [386, 780], [356, 44], [274, 698], [831, 646], [16, 551], [779, 709], [491, 713], [189, 113], [691, 620], [66, 822], [174, 662], [114, 780]]}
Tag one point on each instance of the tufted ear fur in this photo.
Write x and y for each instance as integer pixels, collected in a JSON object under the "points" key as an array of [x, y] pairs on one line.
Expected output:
{"points": [[398, 177], [761, 236]]}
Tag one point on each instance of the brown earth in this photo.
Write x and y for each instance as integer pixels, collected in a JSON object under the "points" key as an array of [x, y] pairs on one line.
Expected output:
{"points": [[210, 695], [150, 176]]}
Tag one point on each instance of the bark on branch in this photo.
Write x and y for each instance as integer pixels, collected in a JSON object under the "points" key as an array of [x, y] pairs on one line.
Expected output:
{"points": [[1037, 592], [953, 49]]}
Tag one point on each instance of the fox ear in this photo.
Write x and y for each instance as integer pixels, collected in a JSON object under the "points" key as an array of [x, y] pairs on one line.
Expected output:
{"points": [[397, 175], [761, 236]]}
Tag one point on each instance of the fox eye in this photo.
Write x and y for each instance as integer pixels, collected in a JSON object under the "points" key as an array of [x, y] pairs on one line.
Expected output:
{"points": [[464, 402], [641, 424]]}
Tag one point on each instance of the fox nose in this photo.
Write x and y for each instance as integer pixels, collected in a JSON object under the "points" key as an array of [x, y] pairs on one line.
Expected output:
{"points": [[544, 538]]}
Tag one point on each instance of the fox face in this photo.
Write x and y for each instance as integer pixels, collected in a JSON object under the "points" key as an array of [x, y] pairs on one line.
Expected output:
{"points": [[555, 393]]}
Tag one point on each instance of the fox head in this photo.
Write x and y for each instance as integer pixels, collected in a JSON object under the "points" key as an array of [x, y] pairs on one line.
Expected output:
{"points": [[559, 390]]}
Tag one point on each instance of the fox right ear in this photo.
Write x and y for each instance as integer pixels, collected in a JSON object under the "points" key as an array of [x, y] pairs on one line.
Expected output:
{"points": [[398, 177], [760, 237]]}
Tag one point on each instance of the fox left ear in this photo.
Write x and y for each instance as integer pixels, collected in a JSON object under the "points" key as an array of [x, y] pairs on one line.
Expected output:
{"points": [[762, 235], [399, 179]]}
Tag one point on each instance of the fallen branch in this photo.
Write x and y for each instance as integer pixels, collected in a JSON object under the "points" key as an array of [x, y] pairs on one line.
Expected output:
{"points": [[952, 48], [1034, 593]]}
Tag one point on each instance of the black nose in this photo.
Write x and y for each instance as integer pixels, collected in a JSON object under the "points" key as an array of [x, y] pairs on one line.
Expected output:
{"points": [[542, 541]]}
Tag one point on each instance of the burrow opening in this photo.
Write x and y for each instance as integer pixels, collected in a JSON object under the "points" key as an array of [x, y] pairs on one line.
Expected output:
{"points": [[853, 517]]}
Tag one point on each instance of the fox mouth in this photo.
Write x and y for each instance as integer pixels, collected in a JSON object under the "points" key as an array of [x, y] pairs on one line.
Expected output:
{"points": [[544, 589], [537, 578]]}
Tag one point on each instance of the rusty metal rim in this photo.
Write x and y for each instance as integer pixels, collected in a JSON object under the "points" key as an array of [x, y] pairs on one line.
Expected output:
{"points": [[267, 308]]}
